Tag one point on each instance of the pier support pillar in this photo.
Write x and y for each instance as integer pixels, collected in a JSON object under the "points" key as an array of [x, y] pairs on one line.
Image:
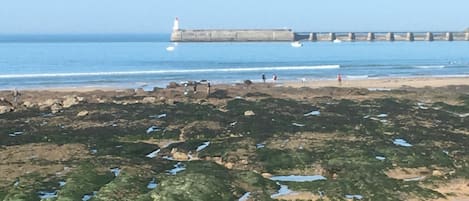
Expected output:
{"points": [[351, 36], [332, 36], [390, 36], [371, 36], [410, 36], [313, 37], [467, 36], [449, 36], [429, 36]]}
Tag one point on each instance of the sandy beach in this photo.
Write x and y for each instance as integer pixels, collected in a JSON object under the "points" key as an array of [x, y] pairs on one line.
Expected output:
{"points": [[384, 83]]}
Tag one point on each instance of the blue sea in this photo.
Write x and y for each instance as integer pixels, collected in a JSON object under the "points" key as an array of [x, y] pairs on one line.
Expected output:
{"points": [[42, 61]]}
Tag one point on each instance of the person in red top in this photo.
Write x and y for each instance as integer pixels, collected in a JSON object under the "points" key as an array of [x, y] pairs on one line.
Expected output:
{"points": [[339, 78]]}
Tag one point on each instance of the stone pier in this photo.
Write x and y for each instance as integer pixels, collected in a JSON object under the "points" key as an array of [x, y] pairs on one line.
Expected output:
{"points": [[429, 36], [332, 36], [449, 36], [351, 36], [313, 37], [267, 35], [390, 36], [370, 36], [410, 36]]}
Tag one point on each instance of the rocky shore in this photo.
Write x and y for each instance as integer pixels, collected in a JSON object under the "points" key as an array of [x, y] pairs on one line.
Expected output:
{"points": [[241, 142]]}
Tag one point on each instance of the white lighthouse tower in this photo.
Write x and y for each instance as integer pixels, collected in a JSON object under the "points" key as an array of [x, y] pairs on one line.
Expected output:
{"points": [[176, 24]]}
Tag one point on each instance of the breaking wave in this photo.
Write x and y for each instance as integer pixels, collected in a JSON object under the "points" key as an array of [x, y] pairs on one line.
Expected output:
{"points": [[179, 71]]}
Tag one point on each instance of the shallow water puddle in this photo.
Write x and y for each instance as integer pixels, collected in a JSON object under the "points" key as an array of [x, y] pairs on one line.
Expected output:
{"points": [[152, 184], [94, 151], [381, 158], [153, 129], [297, 124], [415, 178], [14, 134], [87, 197], [260, 145], [401, 142], [177, 168], [382, 115], [232, 124], [298, 178], [282, 191], [245, 197], [203, 146], [422, 106], [47, 195], [153, 154], [358, 197], [116, 171], [312, 113], [159, 116], [169, 158]]}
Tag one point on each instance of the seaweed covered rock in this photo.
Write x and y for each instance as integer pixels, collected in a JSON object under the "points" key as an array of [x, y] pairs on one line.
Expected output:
{"points": [[195, 184], [123, 187], [84, 180]]}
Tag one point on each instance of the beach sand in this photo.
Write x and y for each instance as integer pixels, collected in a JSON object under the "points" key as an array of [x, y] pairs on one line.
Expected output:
{"points": [[384, 83]]}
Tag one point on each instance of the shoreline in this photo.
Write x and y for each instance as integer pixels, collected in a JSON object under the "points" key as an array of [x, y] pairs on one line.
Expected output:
{"points": [[368, 83]]}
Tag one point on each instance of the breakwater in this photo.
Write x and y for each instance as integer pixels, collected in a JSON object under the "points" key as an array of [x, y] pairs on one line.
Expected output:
{"points": [[236, 35], [272, 35]]}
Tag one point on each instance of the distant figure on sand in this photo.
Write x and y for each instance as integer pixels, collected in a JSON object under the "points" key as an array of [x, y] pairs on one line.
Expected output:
{"points": [[339, 78], [274, 78], [195, 87], [263, 77], [208, 89], [16, 95]]}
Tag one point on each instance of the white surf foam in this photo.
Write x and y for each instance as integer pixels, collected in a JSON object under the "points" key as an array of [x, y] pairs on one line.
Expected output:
{"points": [[167, 71], [430, 66]]}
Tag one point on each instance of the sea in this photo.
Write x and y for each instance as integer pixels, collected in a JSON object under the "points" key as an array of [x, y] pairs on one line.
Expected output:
{"points": [[151, 60]]}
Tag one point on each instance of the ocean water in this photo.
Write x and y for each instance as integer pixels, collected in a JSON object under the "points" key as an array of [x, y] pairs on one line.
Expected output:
{"points": [[41, 61]]}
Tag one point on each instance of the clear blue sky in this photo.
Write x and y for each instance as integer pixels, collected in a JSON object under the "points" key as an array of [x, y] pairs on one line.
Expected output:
{"points": [[156, 16]]}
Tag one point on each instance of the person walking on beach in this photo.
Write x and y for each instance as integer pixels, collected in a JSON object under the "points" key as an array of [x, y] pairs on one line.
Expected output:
{"points": [[339, 78], [274, 78], [263, 77], [195, 87], [16, 95], [208, 89]]}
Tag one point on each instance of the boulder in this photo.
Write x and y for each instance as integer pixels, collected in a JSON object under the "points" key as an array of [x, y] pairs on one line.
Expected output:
{"points": [[229, 165], [249, 113], [55, 108], [172, 85], [28, 104], [179, 156], [437, 173], [82, 113], [266, 175], [69, 101], [5, 109], [149, 100]]}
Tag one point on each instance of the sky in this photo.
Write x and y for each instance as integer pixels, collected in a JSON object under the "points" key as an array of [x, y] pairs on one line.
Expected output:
{"points": [[156, 16]]}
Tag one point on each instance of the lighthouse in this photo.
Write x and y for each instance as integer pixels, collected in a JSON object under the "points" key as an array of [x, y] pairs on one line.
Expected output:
{"points": [[176, 24]]}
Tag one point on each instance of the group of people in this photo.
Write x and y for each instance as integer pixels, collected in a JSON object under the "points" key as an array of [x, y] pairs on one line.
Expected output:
{"points": [[274, 77], [194, 85]]}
